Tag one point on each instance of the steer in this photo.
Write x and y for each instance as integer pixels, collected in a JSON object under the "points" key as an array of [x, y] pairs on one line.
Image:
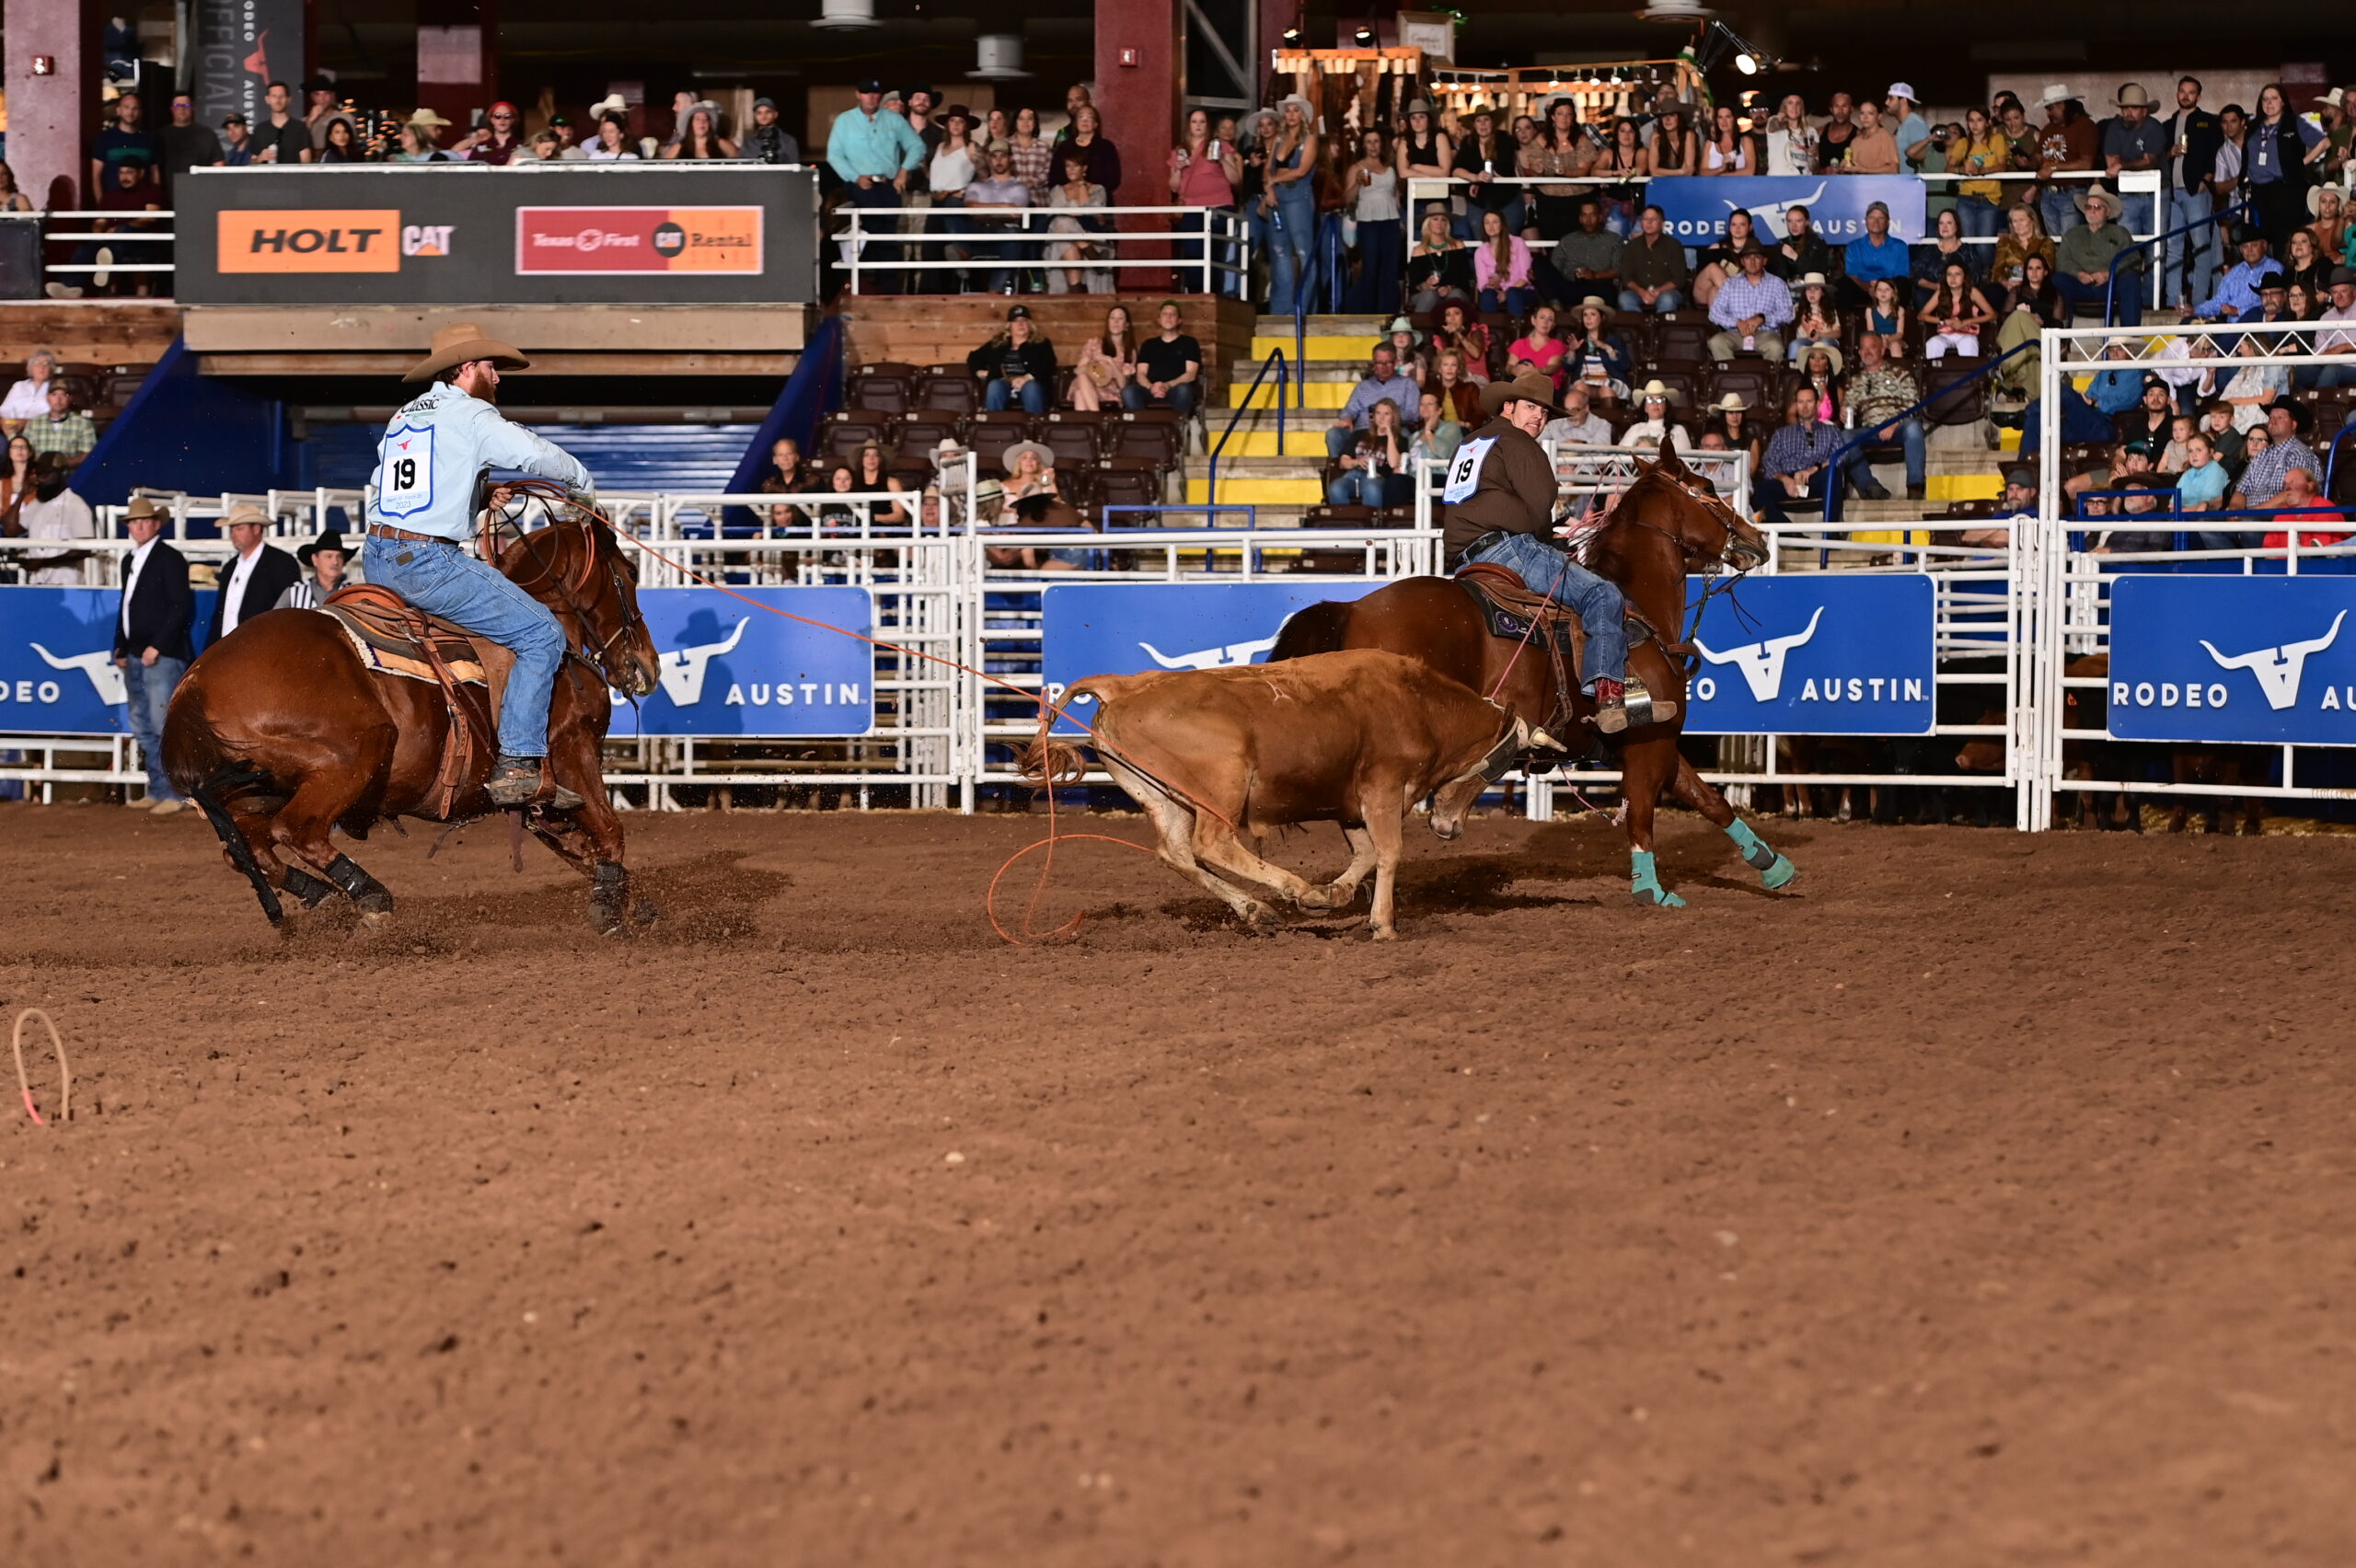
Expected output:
{"points": [[1354, 738]]}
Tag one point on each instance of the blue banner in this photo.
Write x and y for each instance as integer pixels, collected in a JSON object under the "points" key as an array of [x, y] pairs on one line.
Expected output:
{"points": [[1696, 207], [57, 672], [1816, 654], [1119, 629], [731, 669], [2252, 658]]}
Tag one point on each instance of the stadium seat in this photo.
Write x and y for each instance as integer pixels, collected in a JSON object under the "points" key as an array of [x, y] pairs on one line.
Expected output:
{"points": [[887, 386], [990, 434], [1129, 481], [1158, 433], [849, 429], [1952, 402], [948, 388], [1076, 438]]}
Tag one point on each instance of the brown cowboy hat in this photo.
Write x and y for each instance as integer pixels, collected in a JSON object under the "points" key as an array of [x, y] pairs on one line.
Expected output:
{"points": [[1530, 386], [144, 509], [459, 342]]}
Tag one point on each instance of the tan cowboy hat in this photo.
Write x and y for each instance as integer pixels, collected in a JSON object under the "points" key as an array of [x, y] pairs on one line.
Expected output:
{"points": [[1732, 403], [1419, 106], [2315, 198], [2132, 95], [1658, 388], [1530, 386], [2099, 197], [1600, 303], [2055, 92], [143, 509], [429, 119], [461, 341], [1814, 280], [1831, 352], [610, 104], [1013, 458], [245, 511]]}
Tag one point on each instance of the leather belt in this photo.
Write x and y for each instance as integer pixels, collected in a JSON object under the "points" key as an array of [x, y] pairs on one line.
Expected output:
{"points": [[385, 531]]}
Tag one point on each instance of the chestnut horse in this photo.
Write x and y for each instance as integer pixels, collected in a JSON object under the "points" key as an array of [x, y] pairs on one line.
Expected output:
{"points": [[1668, 523], [282, 734]]}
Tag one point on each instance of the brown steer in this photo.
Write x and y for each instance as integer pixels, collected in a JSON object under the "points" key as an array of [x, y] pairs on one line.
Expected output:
{"points": [[1354, 738]]}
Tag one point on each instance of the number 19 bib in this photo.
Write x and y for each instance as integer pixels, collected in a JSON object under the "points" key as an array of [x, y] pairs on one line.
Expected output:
{"points": [[406, 470], [1464, 470]]}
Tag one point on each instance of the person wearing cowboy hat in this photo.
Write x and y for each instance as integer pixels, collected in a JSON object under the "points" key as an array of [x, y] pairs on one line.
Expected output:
{"points": [[1032, 492], [1500, 493], [2132, 143], [2287, 423], [2084, 258], [423, 507], [251, 579], [2236, 298], [151, 639], [1656, 429], [2339, 341], [2067, 143], [419, 139], [327, 563]]}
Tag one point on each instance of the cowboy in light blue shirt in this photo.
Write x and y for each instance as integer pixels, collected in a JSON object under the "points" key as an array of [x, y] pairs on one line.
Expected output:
{"points": [[429, 465], [870, 145], [2237, 293]]}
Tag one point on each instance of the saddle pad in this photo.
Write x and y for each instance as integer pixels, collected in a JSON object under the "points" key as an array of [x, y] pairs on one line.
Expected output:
{"points": [[1509, 613], [388, 656]]}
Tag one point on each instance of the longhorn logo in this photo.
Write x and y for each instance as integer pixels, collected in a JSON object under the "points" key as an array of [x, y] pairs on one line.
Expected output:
{"points": [[1772, 213], [1763, 662], [2278, 669], [99, 666], [1210, 658], [682, 669]]}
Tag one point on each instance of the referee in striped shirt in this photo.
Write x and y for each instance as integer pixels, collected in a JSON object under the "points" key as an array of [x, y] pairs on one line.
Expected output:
{"points": [[324, 558]]}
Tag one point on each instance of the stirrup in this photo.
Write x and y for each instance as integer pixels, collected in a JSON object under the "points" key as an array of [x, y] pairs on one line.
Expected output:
{"points": [[516, 781], [1640, 709]]}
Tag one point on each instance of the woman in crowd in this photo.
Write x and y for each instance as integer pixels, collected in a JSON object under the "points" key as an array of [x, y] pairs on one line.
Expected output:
{"points": [[1885, 315], [1034, 157], [1815, 317], [2030, 307], [1724, 260], [1460, 398], [701, 139], [1371, 192], [1468, 337], [953, 167], [1675, 149], [1437, 436], [1482, 157], [1441, 267], [1728, 150], [1424, 151], [2300, 304], [1078, 191], [1287, 226], [2024, 237], [1108, 362], [997, 126], [1655, 427], [1957, 314], [1821, 370], [1931, 257], [1202, 173], [1595, 354], [17, 479], [2305, 268], [1623, 156], [11, 199], [874, 473], [611, 145], [2329, 206], [1374, 472], [1731, 423], [1791, 139], [1501, 268], [1407, 350], [1031, 476], [2274, 164], [1085, 135], [1562, 148], [342, 146], [1983, 148], [1539, 349]]}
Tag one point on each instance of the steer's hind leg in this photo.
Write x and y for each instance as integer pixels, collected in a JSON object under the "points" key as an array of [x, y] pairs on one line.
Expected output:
{"points": [[1174, 824], [1216, 843]]}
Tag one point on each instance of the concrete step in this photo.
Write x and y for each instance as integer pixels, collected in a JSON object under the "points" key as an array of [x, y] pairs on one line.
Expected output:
{"points": [[1303, 438], [1315, 347], [1302, 490], [1315, 394]]}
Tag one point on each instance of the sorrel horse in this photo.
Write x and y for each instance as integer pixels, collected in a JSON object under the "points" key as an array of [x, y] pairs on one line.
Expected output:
{"points": [[1669, 523], [281, 733]]}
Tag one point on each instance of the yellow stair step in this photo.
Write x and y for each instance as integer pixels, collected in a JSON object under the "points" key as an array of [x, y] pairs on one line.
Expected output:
{"points": [[1306, 490], [1306, 439], [1322, 394], [2007, 439], [1315, 347], [1963, 487]]}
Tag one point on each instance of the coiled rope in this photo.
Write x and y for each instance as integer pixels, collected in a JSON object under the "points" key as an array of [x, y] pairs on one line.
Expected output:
{"points": [[64, 1074]]}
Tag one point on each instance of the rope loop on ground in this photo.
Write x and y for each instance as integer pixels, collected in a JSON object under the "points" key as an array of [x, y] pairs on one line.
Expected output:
{"points": [[64, 1073]]}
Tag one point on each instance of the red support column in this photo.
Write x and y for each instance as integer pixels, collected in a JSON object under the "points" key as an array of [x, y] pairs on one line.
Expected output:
{"points": [[51, 113], [1140, 77]]}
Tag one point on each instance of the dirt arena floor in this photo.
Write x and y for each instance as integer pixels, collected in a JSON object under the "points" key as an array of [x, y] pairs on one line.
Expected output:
{"points": [[1986, 1200]]}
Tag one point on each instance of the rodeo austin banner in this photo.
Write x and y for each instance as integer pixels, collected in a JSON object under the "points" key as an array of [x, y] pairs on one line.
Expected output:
{"points": [[242, 46], [1695, 208]]}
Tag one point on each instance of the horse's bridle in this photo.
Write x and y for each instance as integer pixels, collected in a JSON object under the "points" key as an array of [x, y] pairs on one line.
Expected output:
{"points": [[1715, 507], [599, 654]]}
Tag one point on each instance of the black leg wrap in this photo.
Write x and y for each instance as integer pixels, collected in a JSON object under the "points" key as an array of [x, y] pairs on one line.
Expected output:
{"points": [[307, 887], [366, 893], [240, 853]]}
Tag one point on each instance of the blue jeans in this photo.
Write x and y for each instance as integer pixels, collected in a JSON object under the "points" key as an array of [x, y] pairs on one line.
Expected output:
{"points": [[1363, 487], [1382, 256], [1000, 395], [879, 194], [1668, 300], [1910, 436], [1292, 244], [1513, 301], [150, 689], [1602, 610], [1339, 438], [2197, 248], [1979, 217], [442, 580], [2060, 208], [2126, 299], [2136, 213], [1182, 396]]}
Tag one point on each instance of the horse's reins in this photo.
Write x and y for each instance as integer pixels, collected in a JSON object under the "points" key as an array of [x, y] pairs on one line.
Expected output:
{"points": [[599, 654]]}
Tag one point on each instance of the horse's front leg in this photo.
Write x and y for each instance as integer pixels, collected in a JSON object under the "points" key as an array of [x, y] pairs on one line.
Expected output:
{"points": [[1645, 767], [590, 837]]}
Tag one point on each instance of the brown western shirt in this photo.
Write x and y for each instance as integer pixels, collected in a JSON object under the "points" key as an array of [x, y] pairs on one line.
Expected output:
{"points": [[1516, 492]]}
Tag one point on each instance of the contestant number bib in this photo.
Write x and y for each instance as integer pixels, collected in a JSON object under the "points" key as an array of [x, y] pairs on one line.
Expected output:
{"points": [[1464, 470], [405, 471]]}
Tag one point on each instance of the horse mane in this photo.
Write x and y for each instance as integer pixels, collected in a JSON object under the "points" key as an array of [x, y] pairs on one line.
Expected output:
{"points": [[1586, 542]]}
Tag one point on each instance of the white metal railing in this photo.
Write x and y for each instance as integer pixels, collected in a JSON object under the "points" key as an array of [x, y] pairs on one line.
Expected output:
{"points": [[126, 237], [1221, 238]]}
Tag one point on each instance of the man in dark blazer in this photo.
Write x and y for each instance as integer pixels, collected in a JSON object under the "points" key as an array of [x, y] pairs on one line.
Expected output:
{"points": [[151, 646], [253, 578]]}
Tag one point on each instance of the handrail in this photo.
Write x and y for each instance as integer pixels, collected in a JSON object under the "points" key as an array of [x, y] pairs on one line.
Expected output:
{"points": [[1276, 358], [2331, 456], [2110, 284], [1834, 489]]}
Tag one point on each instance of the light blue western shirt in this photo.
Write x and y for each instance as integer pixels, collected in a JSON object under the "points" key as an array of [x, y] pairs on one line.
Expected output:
{"points": [[435, 450], [878, 145]]}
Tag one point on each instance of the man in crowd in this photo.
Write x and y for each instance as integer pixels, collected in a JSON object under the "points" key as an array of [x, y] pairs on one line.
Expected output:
{"points": [[2134, 144], [1500, 497], [237, 142], [1578, 424], [2340, 339], [996, 187], [1381, 380], [1907, 126], [1840, 130], [53, 512], [2019, 505], [282, 138], [1880, 391], [325, 560], [2236, 298], [319, 108], [2193, 137], [872, 151], [496, 142], [123, 142], [151, 640], [2067, 143], [187, 145], [1585, 260], [1795, 466], [1169, 368], [2286, 424], [1751, 310], [1654, 277], [769, 142], [251, 579], [1875, 254], [1803, 249], [63, 433], [2086, 258]]}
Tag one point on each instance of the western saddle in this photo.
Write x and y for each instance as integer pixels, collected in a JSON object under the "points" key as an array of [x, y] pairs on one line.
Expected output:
{"points": [[395, 637]]}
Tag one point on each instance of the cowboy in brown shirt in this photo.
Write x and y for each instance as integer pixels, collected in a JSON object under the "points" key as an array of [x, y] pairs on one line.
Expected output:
{"points": [[1500, 498]]}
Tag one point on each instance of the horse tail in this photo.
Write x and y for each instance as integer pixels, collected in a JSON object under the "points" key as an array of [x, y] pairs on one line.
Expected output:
{"points": [[1312, 628]]}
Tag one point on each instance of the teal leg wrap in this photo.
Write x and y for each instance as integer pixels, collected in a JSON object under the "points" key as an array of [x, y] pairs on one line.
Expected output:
{"points": [[1644, 883], [1775, 870]]}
